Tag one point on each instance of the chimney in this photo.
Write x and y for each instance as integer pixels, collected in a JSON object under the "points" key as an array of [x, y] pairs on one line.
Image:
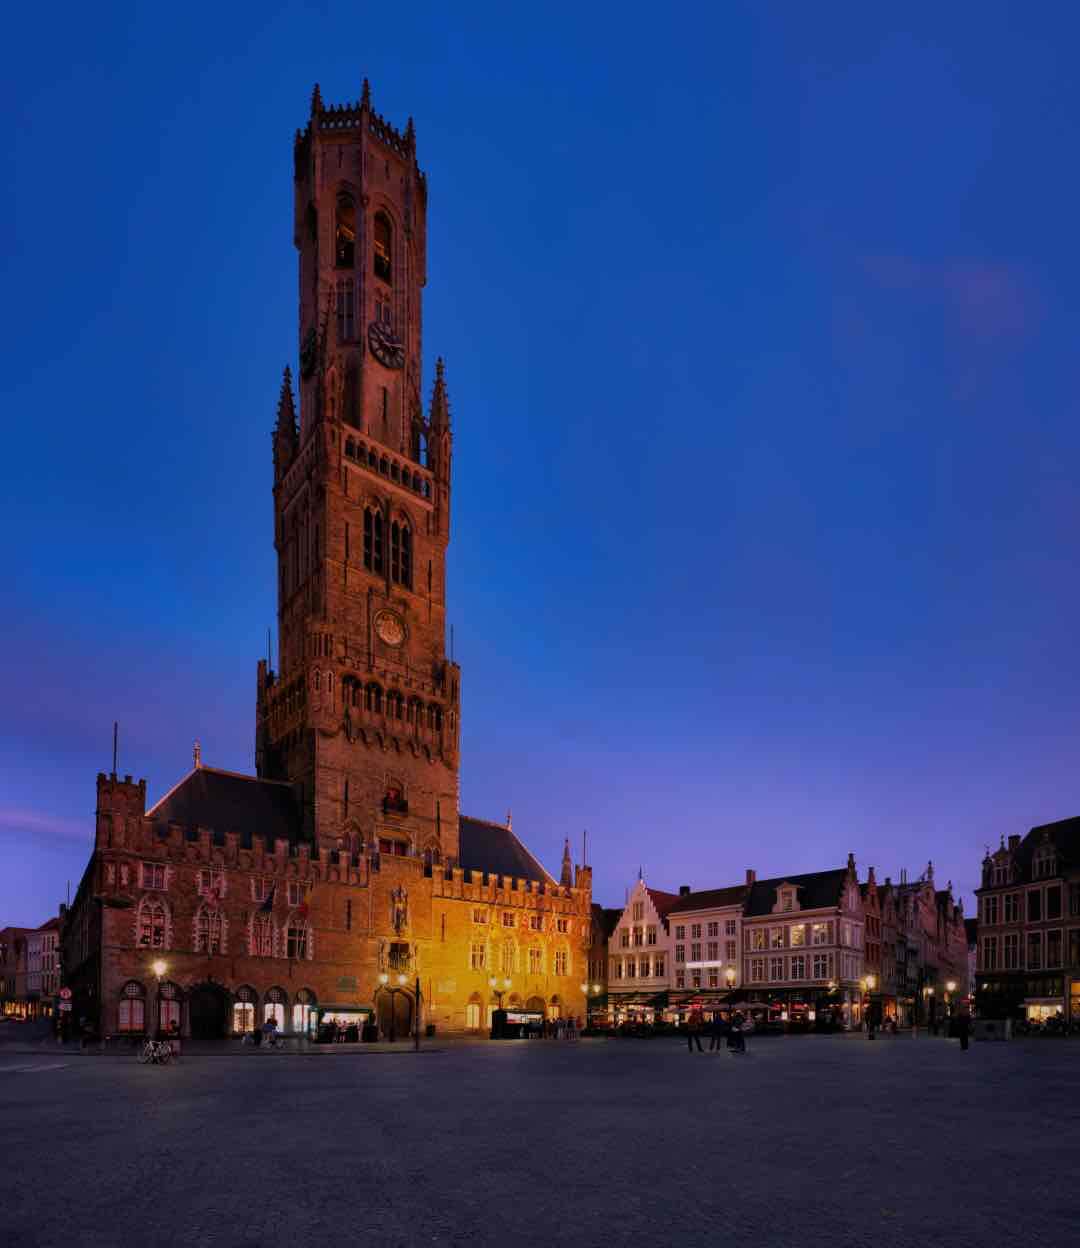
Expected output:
{"points": [[1014, 842], [751, 876], [684, 890]]}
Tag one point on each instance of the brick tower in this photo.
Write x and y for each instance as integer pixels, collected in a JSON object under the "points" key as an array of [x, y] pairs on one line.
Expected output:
{"points": [[362, 715]]}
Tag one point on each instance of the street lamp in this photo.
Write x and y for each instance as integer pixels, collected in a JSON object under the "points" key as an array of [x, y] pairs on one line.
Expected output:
{"points": [[493, 984], [159, 968], [950, 988]]}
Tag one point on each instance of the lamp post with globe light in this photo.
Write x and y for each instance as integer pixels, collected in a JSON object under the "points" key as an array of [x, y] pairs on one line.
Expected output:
{"points": [[159, 968]]}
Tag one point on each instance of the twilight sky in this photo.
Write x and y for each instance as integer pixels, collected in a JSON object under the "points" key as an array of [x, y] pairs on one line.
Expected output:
{"points": [[764, 383]]}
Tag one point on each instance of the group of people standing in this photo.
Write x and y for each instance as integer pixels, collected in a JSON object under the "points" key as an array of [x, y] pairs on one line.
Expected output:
{"points": [[720, 1030], [558, 1029]]}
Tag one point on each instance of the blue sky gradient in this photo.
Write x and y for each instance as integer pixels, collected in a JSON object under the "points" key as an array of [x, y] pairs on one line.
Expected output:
{"points": [[764, 386]]}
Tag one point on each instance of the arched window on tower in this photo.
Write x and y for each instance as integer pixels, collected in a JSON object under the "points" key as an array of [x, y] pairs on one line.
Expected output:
{"points": [[401, 554], [345, 233], [382, 244], [373, 540]]}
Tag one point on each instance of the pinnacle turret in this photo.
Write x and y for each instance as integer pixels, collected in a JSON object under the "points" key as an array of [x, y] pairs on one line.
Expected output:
{"points": [[286, 410], [440, 403], [567, 876], [365, 95], [316, 101]]}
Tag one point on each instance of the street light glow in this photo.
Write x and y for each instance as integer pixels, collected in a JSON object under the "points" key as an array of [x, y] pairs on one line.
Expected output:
{"points": [[160, 968]]}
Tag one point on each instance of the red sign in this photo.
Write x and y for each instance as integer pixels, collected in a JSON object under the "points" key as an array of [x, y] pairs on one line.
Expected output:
{"points": [[65, 994]]}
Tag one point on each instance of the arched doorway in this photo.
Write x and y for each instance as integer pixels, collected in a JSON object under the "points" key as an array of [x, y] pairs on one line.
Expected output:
{"points": [[536, 1004], [394, 1011], [207, 1011]]}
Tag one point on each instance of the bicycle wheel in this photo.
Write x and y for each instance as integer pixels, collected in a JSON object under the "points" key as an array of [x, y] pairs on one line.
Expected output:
{"points": [[146, 1054], [166, 1053]]}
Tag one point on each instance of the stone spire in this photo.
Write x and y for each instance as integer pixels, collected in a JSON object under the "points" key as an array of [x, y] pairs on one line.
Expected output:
{"points": [[567, 877], [365, 95], [440, 403], [316, 101], [285, 435]]}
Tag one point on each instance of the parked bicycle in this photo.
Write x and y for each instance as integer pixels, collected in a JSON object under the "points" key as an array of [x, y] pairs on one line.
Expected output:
{"points": [[158, 1052]]}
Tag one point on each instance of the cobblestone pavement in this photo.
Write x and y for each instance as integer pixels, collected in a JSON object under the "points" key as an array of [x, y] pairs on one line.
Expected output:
{"points": [[806, 1140]]}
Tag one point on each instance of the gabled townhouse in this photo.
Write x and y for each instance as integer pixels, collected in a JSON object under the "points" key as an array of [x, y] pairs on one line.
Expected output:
{"points": [[639, 954], [803, 946]]}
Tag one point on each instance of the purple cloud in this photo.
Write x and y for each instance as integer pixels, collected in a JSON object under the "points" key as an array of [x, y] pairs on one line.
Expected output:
{"points": [[985, 300], [15, 819]]}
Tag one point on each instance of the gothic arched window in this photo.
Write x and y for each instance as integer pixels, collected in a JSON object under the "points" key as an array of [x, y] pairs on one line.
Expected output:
{"points": [[208, 931], [373, 540], [373, 699], [382, 245], [345, 233], [152, 925], [297, 943], [262, 936], [401, 554]]}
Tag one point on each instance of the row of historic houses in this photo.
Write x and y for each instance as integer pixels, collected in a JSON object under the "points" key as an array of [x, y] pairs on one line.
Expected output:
{"points": [[821, 949]]}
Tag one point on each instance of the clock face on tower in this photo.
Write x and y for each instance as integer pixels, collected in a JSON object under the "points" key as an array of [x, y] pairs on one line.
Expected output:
{"points": [[390, 627], [384, 346]]}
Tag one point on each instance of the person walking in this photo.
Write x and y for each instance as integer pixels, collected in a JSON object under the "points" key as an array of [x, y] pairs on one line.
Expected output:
{"points": [[963, 1028], [716, 1033], [738, 1032], [693, 1031]]}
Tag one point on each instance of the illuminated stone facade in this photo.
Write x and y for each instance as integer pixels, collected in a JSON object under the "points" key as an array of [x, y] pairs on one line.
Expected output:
{"points": [[343, 872]]}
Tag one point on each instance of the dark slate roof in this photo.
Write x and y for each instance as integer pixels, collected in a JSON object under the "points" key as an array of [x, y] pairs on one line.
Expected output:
{"points": [[1064, 834], [226, 801], [710, 898], [817, 891], [493, 848], [606, 918]]}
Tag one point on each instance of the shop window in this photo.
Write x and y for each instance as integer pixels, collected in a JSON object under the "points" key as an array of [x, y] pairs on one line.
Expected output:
{"points": [[243, 1017], [132, 1013]]}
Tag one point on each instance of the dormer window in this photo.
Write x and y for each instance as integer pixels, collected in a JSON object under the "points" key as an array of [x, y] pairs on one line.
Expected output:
{"points": [[345, 233], [382, 246], [1044, 863], [787, 899]]}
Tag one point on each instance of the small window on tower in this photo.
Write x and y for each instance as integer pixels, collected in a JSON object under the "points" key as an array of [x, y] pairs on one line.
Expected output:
{"points": [[382, 243], [345, 233]]}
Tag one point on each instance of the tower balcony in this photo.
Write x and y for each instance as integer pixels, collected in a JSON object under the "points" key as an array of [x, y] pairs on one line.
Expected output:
{"points": [[391, 467]]}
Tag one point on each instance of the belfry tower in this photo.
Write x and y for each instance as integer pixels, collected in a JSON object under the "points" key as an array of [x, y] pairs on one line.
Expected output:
{"points": [[362, 715]]}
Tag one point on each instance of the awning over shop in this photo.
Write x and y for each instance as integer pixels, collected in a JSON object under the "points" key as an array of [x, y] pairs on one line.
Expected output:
{"points": [[643, 1000]]}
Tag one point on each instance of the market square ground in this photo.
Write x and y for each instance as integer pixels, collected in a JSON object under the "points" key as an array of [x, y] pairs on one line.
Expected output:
{"points": [[811, 1140]]}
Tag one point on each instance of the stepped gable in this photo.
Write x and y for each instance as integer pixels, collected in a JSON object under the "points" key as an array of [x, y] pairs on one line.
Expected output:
{"points": [[710, 899], [226, 801], [493, 848], [662, 902], [818, 890]]}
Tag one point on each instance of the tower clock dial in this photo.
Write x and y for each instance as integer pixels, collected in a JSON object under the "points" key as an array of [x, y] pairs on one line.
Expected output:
{"points": [[390, 627], [384, 346]]}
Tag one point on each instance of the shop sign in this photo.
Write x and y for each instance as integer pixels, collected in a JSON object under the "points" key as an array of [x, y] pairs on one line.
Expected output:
{"points": [[65, 994], [65, 1005]]}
